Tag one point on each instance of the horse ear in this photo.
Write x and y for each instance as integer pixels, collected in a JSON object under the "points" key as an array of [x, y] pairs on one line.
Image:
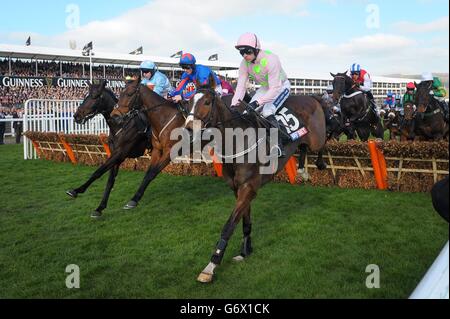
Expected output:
{"points": [[212, 82], [333, 75]]}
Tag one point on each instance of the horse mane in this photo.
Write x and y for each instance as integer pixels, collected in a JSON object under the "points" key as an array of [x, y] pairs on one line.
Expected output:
{"points": [[112, 94]]}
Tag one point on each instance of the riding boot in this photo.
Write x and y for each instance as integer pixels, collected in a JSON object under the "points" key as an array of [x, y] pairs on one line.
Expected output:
{"points": [[273, 121]]}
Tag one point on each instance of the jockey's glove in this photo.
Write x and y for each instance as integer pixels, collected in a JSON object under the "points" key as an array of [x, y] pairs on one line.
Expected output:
{"points": [[254, 105]]}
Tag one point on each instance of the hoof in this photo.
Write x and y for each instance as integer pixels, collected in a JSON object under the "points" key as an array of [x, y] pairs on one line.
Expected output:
{"points": [[304, 175], [239, 258], [205, 278], [131, 205], [96, 215], [321, 166], [72, 194]]}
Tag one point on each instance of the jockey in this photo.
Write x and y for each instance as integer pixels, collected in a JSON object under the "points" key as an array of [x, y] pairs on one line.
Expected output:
{"points": [[437, 91], [194, 73], [388, 104], [154, 79], [264, 68], [363, 81], [226, 87], [410, 95]]}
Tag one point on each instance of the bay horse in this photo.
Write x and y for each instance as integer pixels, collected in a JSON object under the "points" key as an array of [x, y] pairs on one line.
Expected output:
{"points": [[244, 178], [430, 121], [356, 110], [125, 140], [393, 121], [162, 115]]}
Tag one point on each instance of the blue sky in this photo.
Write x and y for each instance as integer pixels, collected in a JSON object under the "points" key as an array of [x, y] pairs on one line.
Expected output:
{"points": [[293, 27]]}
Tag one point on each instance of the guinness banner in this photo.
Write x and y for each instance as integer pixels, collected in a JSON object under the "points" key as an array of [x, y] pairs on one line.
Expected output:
{"points": [[37, 82]]}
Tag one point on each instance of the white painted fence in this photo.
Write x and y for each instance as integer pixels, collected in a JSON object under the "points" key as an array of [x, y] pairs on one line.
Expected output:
{"points": [[56, 116]]}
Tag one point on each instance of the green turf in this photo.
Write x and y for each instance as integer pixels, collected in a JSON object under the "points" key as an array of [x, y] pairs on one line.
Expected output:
{"points": [[309, 242]]}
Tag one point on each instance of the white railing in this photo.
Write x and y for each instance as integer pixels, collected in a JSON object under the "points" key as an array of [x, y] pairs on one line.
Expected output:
{"points": [[56, 116]]}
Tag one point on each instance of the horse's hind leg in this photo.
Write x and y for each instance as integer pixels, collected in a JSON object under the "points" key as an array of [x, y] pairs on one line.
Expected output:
{"points": [[111, 180], [246, 247], [110, 163], [245, 195], [301, 162]]}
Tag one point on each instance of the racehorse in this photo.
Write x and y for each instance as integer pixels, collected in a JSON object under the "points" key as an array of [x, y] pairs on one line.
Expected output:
{"points": [[164, 116], [355, 107], [245, 178], [393, 122], [408, 124], [125, 140], [430, 121]]}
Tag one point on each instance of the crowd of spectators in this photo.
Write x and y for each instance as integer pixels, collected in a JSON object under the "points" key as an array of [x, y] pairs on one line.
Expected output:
{"points": [[16, 96], [53, 69]]}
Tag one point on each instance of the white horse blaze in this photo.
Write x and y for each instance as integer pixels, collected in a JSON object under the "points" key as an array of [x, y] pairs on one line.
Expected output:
{"points": [[191, 118]]}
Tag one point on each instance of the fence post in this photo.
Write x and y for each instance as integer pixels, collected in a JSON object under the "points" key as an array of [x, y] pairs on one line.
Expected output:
{"points": [[291, 170], [104, 141], [383, 168], [377, 169], [37, 148], [68, 149], [218, 167]]}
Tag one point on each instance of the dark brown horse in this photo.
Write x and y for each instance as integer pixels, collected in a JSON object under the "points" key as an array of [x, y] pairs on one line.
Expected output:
{"points": [[408, 124], [245, 178], [430, 121], [125, 139], [393, 122], [356, 110]]}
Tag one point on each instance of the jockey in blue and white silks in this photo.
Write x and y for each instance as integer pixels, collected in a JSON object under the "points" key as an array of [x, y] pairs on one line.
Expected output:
{"points": [[154, 79]]}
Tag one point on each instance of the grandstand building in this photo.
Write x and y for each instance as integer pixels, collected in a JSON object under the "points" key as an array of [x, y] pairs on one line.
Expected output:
{"points": [[115, 67]]}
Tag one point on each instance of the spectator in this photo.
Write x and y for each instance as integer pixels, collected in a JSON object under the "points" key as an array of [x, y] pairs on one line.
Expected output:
{"points": [[17, 125], [2, 126]]}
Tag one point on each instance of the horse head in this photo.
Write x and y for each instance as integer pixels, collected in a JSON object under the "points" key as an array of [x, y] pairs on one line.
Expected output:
{"points": [[341, 84], [423, 97], [99, 100], [203, 107], [130, 99]]}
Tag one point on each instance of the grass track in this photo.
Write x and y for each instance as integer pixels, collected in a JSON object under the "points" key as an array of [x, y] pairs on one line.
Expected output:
{"points": [[309, 242]]}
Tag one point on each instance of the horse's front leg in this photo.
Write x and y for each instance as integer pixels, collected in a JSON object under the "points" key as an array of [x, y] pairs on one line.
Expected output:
{"points": [[158, 162], [109, 164], [246, 246], [245, 194], [111, 180], [301, 162]]}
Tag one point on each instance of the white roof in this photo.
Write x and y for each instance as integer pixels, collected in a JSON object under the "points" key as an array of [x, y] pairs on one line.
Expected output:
{"points": [[67, 55]]}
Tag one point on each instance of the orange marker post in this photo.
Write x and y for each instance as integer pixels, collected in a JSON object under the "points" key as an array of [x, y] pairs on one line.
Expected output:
{"points": [[376, 164], [383, 168], [218, 167], [68, 149], [104, 140], [291, 170], [37, 148]]}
